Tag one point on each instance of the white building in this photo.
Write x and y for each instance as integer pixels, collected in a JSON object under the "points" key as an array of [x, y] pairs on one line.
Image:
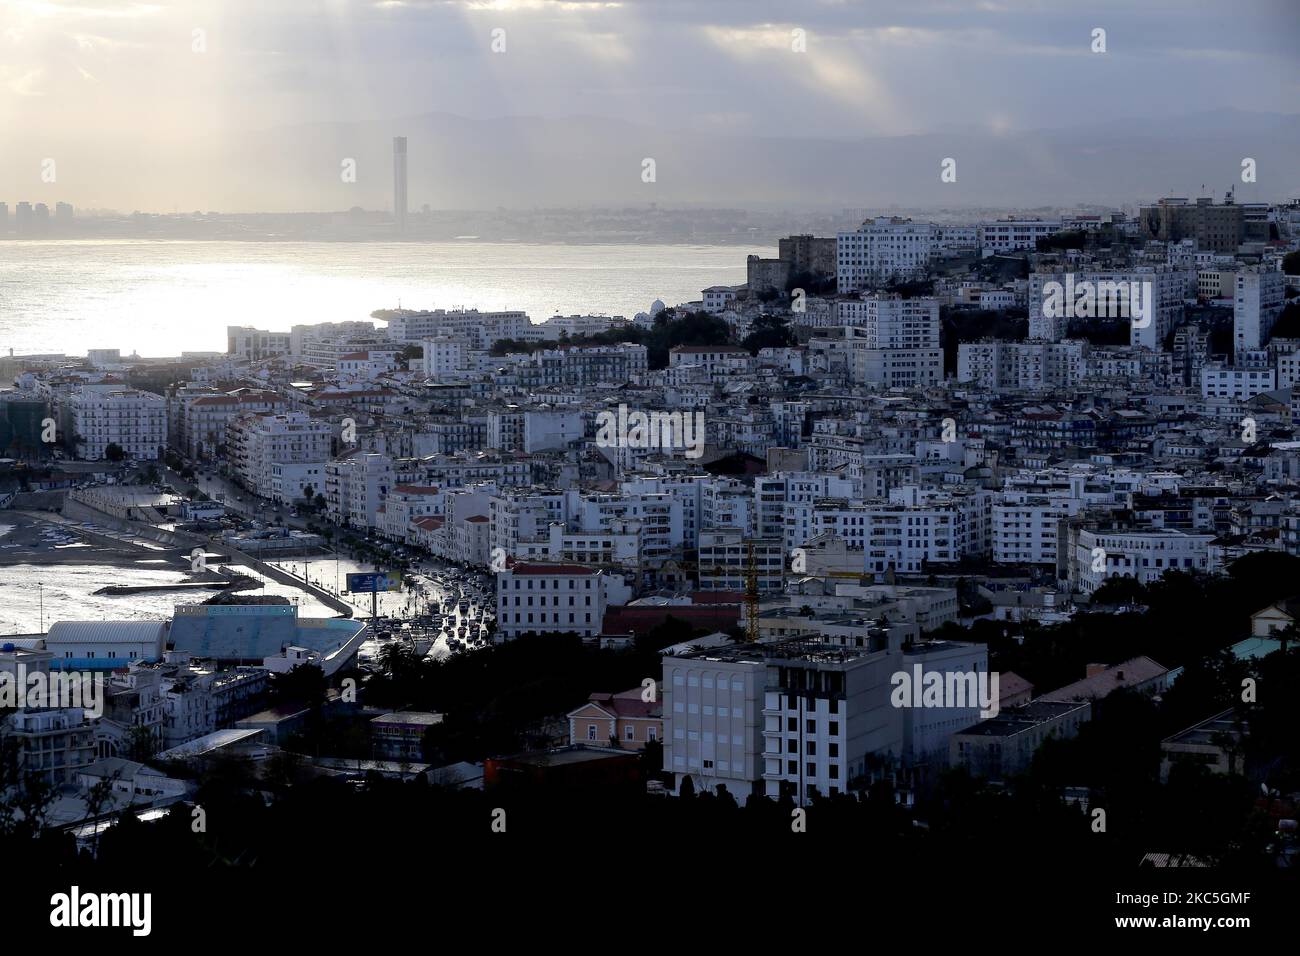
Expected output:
{"points": [[555, 599], [202, 419], [716, 298], [1144, 555], [883, 249], [355, 488], [1227, 381], [1086, 295], [1026, 527], [105, 414], [480, 329], [783, 503], [1011, 235], [712, 706], [885, 321], [256, 442], [914, 529], [1258, 298], [997, 365]]}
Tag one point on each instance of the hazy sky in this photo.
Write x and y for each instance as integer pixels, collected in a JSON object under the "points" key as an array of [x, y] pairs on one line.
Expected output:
{"points": [[77, 75]]}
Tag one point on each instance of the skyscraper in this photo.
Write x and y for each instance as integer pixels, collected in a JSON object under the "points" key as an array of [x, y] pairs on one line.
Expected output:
{"points": [[23, 218], [399, 182]]}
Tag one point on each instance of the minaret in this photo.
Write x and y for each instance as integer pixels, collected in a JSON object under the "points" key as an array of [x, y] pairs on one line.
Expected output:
{"points": [[399, 182]]}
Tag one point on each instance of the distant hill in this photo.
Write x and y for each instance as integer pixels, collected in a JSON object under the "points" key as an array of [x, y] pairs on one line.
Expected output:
{"points": [[459, 162]]}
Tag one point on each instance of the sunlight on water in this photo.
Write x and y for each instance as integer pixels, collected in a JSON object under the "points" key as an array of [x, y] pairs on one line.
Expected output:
{"points": [[162, 298]]}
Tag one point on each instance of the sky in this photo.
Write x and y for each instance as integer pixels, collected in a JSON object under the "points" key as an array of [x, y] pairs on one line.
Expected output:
{"points": [[111, 83]]}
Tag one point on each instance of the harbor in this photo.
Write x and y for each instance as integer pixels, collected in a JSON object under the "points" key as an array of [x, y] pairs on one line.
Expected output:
{"points": [[59, 569]]}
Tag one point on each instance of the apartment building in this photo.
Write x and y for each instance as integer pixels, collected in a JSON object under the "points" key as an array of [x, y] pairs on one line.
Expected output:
{"points": [[112, 414], [575, 365], [1257, 300], [1004, 746], [1030, 366], [555, 599], [252, 345], [355, 488], [256, 442], [806, 715], [914, 529], [202, 419], [783, 503], [1218, 228], [725, 556], [479, 329], [1026, 528], [1234, 382], [1108, 294], [54, 744], [886, 321], [1014, 235], [1094, 555], [883, 249]]}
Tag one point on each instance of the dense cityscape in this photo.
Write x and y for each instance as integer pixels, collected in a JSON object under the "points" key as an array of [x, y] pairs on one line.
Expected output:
{"points": [[949, 561]]}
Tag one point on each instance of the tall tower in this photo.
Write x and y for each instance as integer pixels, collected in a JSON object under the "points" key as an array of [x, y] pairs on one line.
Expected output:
{"points": [[399, 182]]}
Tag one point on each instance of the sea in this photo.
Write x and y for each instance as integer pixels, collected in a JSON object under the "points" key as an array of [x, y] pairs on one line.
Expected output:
{"points": [[162, 298]]}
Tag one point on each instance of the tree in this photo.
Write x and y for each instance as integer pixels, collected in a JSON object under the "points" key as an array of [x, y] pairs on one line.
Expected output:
{"points": [[141, 743], [1291, 263], [27, 796], [652, 759], [769, 332], [1119, 590], [114, 452], [304, 684]]}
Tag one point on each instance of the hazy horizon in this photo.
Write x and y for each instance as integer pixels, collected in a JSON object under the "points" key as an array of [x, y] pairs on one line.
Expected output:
{"points": [[242, 106]]}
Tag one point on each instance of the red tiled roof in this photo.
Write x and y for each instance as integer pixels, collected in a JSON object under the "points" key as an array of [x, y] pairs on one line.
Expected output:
{"points": [[627, 704], [718, 597]]}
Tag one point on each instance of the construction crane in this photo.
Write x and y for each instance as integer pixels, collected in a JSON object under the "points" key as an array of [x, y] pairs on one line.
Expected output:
{"points": [[751, 596], [751, 585]]}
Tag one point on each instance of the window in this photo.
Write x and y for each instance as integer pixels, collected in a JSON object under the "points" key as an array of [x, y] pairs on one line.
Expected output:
{"points": [[631, 732], [591, 731]]}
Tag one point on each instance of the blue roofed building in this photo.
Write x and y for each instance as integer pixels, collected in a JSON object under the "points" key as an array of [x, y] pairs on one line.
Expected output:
{"points": [[248, 634]]}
